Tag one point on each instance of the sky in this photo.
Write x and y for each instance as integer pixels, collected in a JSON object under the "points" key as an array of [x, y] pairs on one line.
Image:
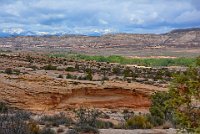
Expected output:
{"points": [[97, 16]]}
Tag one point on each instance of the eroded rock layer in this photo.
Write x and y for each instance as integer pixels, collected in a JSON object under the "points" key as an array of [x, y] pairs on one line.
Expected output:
{"points": [[40, 93]]}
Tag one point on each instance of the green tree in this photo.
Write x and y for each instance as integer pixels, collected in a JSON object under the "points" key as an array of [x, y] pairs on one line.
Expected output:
{"points": [[185, 100], [182, 101], [159, 109]]}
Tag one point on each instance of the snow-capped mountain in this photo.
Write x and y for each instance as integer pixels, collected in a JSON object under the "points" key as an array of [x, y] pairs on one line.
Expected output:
{"points": [[21, 32]]}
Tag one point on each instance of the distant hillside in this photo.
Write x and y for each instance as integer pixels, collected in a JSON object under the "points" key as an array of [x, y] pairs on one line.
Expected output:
{"points": [[185, 30], [180, 38]]}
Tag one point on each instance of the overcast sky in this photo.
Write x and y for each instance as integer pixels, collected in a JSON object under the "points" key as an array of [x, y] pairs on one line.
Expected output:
{"points": [[104, 16]]}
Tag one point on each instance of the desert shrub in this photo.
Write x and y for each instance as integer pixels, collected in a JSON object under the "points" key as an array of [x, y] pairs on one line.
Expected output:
{"points": [[70, 69], [167, 125], [87, 116], [56, 120], [12, 123], [128, 80], [88, 76], [69, 76], [77, 67], [3, 107], [125, 111], [33, 127], [104, 124], [81, 78], [60, 76], [72, 131], [86, 121], [197, 130], [29, 58], [127, 72], [50, 67], [105, 78], [138, 122], [24, 115], [116, 70], [60, 130], [104, 116], [88, 72], [127, 114], [198, 61], [8, 71], [16, 71], [47, 131], [83, 128], [159, 110]]}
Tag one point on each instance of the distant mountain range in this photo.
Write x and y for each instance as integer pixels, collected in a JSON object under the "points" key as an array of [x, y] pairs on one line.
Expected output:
{"points": [[183, 38], [30, 33], [26, 33]]}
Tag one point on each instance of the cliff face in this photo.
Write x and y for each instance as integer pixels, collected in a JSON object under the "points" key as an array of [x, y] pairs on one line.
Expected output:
{"points": [[178, 38], [39, 93]]}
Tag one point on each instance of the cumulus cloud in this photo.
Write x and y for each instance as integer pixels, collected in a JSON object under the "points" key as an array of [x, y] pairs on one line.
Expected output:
{"points": [[13, 30], [104, 16]]}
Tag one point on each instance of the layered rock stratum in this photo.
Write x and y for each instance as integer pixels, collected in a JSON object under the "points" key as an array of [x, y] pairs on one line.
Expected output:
{"points": [[40, 93]]}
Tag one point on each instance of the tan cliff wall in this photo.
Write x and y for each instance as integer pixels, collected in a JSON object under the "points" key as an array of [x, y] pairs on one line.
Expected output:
{"points": [[40, 93]]}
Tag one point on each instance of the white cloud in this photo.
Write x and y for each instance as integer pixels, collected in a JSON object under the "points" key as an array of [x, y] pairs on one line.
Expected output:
{"points": [[87, 15], [104, 22], [13, 30], [189, 17]]}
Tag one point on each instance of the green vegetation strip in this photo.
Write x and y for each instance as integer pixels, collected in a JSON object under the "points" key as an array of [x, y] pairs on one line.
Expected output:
{"points": [[124, 60]]}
